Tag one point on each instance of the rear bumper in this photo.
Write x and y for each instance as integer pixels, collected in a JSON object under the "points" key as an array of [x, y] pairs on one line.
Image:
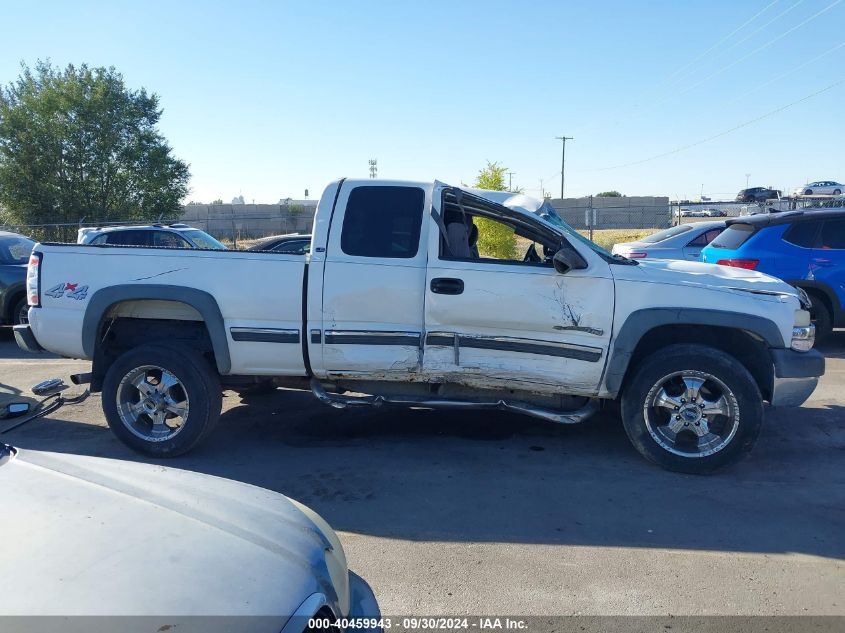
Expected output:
{"points": [[796, 375], [26, 340]]}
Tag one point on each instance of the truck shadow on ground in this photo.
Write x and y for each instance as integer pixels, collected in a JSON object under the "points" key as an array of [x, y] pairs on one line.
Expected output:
{"points": [[499, 477]]}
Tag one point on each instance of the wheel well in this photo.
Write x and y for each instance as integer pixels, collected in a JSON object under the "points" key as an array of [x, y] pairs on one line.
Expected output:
{"points": [[749, 350], [118, 334], [821, 295]]}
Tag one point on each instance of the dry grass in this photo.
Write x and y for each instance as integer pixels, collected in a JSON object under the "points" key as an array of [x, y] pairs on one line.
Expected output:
{"points": [[606, 238]]}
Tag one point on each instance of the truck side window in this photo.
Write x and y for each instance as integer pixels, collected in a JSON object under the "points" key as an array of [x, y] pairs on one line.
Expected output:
{"points": [[383, 222]]}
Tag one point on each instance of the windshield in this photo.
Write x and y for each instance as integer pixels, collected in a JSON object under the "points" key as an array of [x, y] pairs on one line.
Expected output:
{"points": [[203, 240], [15, 249], [550, 215], [666, 234]]}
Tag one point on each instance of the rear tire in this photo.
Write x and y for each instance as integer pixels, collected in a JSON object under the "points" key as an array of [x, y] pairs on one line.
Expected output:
{"points": [[20, 313], [718, 415], [161, 401], [836, 192]]}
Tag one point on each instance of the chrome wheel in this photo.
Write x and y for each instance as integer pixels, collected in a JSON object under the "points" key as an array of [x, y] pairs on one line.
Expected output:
{"points": [[691, 413], [152, 403]]}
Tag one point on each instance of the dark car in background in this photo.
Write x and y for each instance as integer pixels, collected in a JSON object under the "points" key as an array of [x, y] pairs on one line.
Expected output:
{"points": [[14, 257], [757, 194], [293, 244]]}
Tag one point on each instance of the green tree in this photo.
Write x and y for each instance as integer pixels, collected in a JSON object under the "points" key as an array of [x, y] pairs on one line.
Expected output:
{"points": [[494, 238], [609, 194], [78, 143]]}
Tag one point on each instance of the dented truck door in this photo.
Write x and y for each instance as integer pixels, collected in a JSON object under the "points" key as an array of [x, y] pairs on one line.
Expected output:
{"points": [[513, 324]]}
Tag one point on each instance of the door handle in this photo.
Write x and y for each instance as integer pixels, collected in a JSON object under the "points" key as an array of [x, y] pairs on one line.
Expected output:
{"points": [[447, 286]]}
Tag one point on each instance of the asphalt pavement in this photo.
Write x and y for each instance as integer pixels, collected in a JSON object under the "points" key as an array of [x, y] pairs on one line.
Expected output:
{"points": [[496, 513]]}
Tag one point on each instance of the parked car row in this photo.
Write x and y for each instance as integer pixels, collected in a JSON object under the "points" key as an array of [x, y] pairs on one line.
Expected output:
{"points": [[805, 248], [703, 213], [816, 188]]}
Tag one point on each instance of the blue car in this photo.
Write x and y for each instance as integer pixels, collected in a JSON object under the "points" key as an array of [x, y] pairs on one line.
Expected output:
{"points": [[804, 248]]}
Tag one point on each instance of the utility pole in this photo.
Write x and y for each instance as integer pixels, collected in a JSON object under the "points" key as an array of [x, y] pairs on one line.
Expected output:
{"points": [[510, 180], [747, 176], [542, 191], [563, 159]]}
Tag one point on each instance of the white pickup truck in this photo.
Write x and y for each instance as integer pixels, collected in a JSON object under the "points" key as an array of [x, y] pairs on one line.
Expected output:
{"points": [[396, 305]]}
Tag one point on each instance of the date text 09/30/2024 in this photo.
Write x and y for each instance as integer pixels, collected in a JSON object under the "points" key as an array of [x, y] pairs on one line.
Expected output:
{"points": [[419, 623]]}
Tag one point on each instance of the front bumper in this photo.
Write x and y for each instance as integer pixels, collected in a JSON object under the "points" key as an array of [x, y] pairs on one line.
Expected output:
{"points": [[796, 375], [26, 339]]}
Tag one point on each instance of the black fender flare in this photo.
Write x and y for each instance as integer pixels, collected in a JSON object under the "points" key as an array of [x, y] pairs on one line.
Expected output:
{"points": [[102, 300], [640, 322]]}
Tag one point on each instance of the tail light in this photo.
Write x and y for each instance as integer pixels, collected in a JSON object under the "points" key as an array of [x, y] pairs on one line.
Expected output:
{"points": [[33, 280], [747, 264]]}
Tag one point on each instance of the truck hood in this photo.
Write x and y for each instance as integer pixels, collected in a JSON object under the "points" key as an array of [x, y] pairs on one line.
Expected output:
{"points": [[91, 536], [711, 276]]}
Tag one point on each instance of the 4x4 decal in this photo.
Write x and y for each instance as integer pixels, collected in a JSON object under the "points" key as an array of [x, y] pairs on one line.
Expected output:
{"points": [[74, 291]]}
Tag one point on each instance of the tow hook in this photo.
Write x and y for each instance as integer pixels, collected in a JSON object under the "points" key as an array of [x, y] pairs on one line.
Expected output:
{"points": [[52, 400]]}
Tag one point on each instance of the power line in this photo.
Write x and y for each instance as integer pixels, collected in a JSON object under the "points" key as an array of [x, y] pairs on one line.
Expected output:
{"points": [[782, 75], [721, 134], [728, 36], [793, 6], [759, 48]]}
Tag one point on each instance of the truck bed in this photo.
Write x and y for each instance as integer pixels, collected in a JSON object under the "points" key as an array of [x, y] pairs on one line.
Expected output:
{"points": [[255, 292]]}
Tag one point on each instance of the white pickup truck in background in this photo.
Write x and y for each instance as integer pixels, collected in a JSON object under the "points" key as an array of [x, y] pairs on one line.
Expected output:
{"points": [[395, 301]]}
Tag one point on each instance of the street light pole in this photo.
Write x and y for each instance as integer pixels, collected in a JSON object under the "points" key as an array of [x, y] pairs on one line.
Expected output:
{"points": [[747, 176], [563, 159]]}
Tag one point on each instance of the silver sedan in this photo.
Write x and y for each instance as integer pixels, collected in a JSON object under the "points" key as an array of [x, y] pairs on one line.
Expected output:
{"points": [[684, 241]]}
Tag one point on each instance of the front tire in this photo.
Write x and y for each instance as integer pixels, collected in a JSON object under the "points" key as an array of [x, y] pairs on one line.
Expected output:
{"points": [[692, 409], [161, 401]]}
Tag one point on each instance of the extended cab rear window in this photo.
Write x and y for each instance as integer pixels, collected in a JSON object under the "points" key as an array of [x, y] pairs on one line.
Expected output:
{"points": [[383, 222], [733, 237]]}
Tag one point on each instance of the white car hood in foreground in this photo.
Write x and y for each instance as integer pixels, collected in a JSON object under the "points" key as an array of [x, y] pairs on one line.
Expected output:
{"points": [[709, 276], [90, 536]]}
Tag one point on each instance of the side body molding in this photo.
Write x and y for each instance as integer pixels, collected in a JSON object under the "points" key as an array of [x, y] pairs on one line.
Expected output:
{"points": [[102, 300], [640, 322]]}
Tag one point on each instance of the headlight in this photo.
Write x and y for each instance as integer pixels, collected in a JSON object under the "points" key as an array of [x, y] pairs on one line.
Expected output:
{"points": [[803, 337], [804, 298]]}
